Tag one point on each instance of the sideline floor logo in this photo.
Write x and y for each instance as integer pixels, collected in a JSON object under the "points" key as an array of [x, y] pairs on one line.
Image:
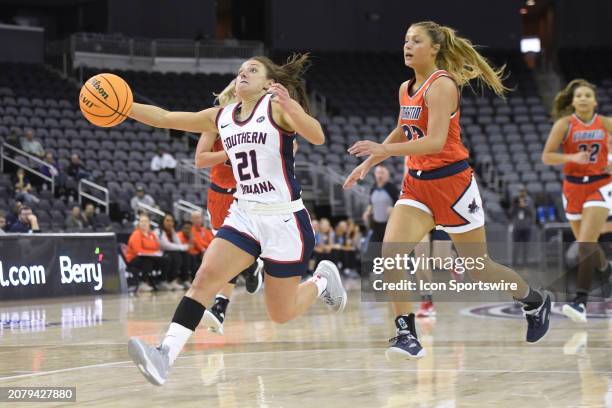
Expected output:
{"points": [[596, 310]]}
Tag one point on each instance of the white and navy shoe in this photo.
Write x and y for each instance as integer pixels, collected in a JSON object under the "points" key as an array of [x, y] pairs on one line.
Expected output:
{"points": [[538, 320], [334, 294], [254, 279], [575, 311], [405, 346], [153, 362]]}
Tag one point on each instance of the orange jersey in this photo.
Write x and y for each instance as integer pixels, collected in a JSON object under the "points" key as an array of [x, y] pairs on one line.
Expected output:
{"points": [[413, 119], [221, 174], [591, 137]]}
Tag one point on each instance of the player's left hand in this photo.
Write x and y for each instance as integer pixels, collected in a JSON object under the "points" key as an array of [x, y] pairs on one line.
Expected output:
{"points": [[366, 148], [280, 95]]}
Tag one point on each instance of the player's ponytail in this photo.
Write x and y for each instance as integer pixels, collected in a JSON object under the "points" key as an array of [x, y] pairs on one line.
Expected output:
{"points": [[226, 96], [562, 105], [290, 76], [459, 57]]}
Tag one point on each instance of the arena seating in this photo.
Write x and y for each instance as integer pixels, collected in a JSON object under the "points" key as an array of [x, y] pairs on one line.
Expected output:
{"points": [[361, 95]]}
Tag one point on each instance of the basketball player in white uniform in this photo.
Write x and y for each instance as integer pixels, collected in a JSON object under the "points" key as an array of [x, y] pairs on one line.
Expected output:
{"points": [[268, 218]]}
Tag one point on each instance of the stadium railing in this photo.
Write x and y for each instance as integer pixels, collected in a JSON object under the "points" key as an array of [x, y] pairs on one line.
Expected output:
{"points": [[84, 184], [28, 159]]}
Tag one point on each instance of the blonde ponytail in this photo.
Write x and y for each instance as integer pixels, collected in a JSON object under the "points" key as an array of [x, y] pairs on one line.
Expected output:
{"points": [[226, 96], [459, 57]]}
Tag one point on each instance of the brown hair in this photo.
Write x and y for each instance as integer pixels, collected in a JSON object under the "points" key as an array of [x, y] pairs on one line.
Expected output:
{"points": [[289, 75], [459, 57], [562, 105]]}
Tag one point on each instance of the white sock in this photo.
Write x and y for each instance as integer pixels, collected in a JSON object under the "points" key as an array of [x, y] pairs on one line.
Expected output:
{"points": [[175, 339], [320, 281]]}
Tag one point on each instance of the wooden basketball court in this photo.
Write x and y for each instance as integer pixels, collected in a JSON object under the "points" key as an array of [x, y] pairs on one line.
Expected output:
{"points": [[476, 357]]}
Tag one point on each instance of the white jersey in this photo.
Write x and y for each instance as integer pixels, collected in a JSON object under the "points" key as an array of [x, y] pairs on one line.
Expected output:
{"points": [[261, 154]]}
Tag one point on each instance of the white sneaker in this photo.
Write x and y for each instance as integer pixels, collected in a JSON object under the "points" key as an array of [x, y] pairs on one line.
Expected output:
{"points": [[174, 285], [575, 311], [144, 287], [334, 294], [163, 286]]}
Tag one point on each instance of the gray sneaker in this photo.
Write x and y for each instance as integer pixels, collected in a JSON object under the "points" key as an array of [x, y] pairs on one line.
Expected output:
{"points": [[152, 362], [334, 294]]}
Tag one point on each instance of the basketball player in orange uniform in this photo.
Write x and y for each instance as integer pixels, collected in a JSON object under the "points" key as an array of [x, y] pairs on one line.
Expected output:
{"points": [[587, 188], [440, 190], [220, 198]]}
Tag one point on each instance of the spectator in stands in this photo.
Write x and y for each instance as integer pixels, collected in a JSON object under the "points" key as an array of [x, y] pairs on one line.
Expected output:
{"points": [[74, 222], [193, 255], [141, 197], [382, 199], [76, 169], [2, 223], [163, 161], [14, 215], [53, 171], [31, 145], [176, 252], [200, 235], [14, 138], [26, 223], [23, 188], [522, 219], [343, 249], [89, 219], [144, 254], [323, 249]]}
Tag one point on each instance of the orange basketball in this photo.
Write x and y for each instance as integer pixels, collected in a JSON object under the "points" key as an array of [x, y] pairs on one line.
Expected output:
{"points": [[105, 100]]}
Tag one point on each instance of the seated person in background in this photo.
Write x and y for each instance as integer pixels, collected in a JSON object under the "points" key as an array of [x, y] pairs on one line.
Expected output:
{"points": [[13, 215], [26, 223], [54, 172], [144, 254], [163, 161], [323, 250], [200, 235], [193, 254], [76, 169], [2, 223], [89, 219], [343, 249], [31, 145], [176, 252], [141, 197], [74, 221], [23, 188]]}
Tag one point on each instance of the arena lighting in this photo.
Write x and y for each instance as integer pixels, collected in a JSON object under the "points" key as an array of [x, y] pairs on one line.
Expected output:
{"points": [[530, 44], [523, 10], [530, 3]]}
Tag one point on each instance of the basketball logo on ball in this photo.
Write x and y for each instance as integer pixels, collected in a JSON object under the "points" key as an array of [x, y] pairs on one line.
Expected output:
{"points": [[105, 100]]}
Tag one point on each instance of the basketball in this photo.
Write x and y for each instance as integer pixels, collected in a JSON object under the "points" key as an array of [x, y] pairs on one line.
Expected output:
{"points": [[105, 100]]}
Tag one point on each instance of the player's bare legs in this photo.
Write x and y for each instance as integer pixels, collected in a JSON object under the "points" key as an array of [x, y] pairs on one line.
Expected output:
{"points": [[401, 240], [472, 244]]}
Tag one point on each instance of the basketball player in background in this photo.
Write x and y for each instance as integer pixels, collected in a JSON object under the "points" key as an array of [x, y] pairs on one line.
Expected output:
{"points": [[587, 186], [268, 218], [440, 190]]}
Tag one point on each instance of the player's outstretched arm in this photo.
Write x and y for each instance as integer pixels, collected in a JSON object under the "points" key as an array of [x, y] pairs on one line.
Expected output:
{"points": [[294, 117], [196, 122], [550, 154], [204, 156]]}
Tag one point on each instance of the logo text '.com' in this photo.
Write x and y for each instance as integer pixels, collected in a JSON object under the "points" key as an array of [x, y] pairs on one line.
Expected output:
{"points": [[36, 274]]}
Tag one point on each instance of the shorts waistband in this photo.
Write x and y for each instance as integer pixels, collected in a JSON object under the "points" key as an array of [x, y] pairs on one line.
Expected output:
{"points": [[586, 179], [271, 208], [221, 190], [441, 172]]}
